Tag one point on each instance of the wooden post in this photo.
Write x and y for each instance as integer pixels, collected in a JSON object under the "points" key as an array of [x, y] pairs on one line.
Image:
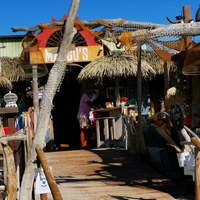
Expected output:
{"points": [[166, 77], [35, 95], [166, 85], [197, 177], [10, 113], [11, 123], [196, 142], [117, 92], [139, 102], [187, 18], [98, 133], [47, 171]]}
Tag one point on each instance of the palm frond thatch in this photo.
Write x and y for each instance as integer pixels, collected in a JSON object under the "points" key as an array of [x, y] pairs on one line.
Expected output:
{"points": [[5, 84], [119, 64], [11, 68], [154, 61]]}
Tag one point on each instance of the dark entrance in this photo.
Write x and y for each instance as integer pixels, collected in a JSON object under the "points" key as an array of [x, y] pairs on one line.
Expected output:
{"points": [[66, 103]]}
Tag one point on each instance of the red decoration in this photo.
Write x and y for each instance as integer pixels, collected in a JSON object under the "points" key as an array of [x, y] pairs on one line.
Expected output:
{"points": [[47, 32], [123, 99]]}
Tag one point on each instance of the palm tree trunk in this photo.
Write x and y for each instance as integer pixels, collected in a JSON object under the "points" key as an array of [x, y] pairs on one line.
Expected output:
{"points": [[54, 81]]}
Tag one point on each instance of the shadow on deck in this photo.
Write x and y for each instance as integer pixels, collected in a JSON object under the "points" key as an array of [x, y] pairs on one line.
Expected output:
{"points": [[104, 174]]}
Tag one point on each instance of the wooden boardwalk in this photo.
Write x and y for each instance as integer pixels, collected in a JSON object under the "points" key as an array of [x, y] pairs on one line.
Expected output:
{"points": [[107, 174]]}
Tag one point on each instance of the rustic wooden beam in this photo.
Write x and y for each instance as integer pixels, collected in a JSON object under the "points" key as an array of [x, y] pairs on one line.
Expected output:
{"points": [[47, 171], [196, 142], [92, 24], [8, 110], [197, 177], [11, 185], [17, 136]]}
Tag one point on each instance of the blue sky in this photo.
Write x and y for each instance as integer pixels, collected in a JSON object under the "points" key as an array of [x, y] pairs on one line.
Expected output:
{"points": [[23, 13]]}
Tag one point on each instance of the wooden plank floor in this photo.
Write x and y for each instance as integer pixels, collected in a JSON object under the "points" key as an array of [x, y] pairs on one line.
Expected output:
{"points": [[106, 174]]}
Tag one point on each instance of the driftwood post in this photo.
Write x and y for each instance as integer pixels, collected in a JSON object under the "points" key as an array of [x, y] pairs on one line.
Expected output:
{"points": [[47, 171], [11, 187], [35, 95], [196, 143], [197, 176]]}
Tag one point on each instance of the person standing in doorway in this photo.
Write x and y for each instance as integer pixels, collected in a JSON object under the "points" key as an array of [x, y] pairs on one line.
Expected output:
{"points": [[85, 106]]}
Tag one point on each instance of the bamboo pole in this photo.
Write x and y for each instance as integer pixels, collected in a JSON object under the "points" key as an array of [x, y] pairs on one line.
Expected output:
{"points": [[47, 171]]}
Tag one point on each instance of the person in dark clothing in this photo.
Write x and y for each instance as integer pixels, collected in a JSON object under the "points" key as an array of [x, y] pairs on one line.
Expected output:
{"points": [[100, 101]]}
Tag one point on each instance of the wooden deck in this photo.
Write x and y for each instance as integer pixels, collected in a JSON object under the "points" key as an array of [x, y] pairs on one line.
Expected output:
{"points": [[105, 174]]}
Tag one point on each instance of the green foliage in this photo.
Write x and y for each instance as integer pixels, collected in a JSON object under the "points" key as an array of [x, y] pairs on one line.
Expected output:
{"points": [[130, 102]]}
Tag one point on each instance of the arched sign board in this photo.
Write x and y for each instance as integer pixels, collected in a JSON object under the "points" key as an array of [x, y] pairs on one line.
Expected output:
{"points": [[177, 117]]}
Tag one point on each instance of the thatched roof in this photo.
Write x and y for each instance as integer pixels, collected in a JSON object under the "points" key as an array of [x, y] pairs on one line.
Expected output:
{"points": [[10, 71], [5, 84], [11, 68], [154, 61], [118, 64]]}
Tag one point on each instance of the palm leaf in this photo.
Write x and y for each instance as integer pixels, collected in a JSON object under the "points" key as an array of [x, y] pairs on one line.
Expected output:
{"points": [[118, 64]]}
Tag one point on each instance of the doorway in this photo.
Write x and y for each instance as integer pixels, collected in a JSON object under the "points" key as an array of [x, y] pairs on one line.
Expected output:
{"points": [[66, 104]]}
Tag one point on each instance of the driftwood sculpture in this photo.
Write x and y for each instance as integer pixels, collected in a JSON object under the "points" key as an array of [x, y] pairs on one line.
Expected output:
{"points": [[55, 78]]}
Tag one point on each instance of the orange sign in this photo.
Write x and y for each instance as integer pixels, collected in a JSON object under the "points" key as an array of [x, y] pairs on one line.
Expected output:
{"points": [[78, 54]]}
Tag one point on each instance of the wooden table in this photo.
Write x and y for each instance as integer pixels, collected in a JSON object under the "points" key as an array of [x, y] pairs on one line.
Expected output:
{"points": [[117, 113]]}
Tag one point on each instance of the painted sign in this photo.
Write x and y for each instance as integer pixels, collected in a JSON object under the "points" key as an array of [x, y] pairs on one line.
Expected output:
{"points": [[77, 54]]}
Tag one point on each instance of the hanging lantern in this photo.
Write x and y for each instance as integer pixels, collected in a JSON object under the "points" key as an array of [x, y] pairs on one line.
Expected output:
{"points": [[42, 69], [191, 64], [10, 99]]}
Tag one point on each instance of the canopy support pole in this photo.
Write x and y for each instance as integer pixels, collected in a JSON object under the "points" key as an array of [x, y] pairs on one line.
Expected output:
{"points": [[117, 93], [35, 95], [139, 102]]}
